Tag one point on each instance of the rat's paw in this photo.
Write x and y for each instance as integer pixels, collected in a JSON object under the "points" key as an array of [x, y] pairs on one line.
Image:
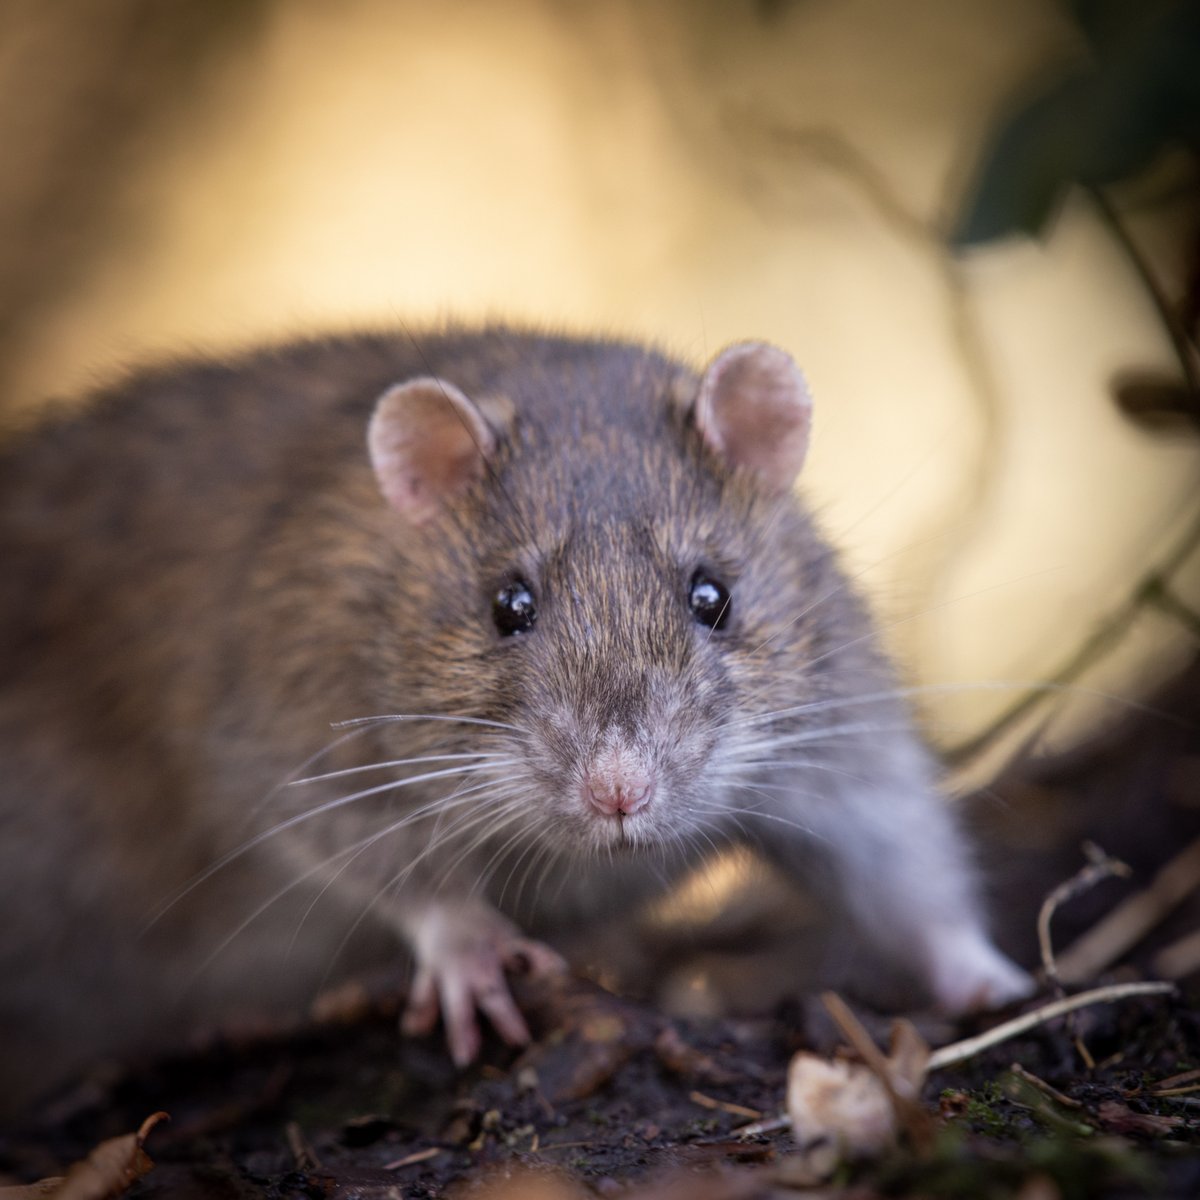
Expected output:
{"points": [[462, 956], [969, 974]]}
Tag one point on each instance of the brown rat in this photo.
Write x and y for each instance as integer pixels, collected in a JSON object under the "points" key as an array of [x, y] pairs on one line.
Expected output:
{"points": [[568, 582]]}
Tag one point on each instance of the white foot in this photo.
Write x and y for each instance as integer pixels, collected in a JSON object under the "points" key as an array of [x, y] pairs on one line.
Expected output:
{"points": [[462, 954], [968, 974]]}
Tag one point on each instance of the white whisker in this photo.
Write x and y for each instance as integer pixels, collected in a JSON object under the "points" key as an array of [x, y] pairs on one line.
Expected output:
{"points": [[404, 762], [291, 822], [398, 718]]}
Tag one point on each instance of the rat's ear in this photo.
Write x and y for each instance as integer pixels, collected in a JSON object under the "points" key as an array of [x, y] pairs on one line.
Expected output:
{"points": [[755, 411], [427, 443]]}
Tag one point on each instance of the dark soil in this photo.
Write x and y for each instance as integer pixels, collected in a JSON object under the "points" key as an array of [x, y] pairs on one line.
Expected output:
{"points": [[616, 1097]]}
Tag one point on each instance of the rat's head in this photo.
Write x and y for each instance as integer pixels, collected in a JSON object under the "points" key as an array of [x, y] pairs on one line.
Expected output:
{"points": [[611, 564]]}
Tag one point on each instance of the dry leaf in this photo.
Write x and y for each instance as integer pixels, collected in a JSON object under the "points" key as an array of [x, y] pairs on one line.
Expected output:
{"points": [[858, 1109], [838, 1102], [105, 1174]]}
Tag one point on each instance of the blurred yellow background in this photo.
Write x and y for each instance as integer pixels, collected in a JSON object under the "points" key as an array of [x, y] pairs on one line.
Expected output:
{"points": [[180, 177]]}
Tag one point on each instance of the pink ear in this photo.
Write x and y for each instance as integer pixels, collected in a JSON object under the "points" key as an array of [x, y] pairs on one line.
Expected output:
{"points": [[427, 443], [755, 411]]}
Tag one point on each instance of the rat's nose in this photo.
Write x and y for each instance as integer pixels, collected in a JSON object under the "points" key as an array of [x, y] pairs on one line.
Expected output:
{"points": [[617, 793], [618, 781]]}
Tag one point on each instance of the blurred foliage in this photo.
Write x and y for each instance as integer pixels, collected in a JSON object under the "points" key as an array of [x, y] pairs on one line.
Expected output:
{"points": [[1096, 122]]}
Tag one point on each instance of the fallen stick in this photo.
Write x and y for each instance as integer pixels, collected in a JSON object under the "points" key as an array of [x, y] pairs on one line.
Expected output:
{"points": [[1131, 920], [958, 1052], [1100, 866]]}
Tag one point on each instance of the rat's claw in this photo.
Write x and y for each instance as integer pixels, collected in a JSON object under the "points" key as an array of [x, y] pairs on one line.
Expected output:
{"points": [[533, 958], [458, 1017], [421, 1012], [496, 1001], [462, 955]]}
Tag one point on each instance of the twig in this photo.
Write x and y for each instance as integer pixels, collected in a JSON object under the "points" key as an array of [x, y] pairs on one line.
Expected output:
{"points": [[1174, 1081], [1131, 920], [1181, 341], [303, 1154], [1180, 958], [767, 1125], [1032, 1097], [416, 1156], [1159, 593], [1044, 1087], [1100, 866], [860, 1039], [737, 1110], [958, 1052], [902, 1090], [1092, 650], [1159, 578]]}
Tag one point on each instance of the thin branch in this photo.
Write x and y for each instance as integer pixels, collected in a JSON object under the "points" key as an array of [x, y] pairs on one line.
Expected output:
{"points": [[1100, 866], [1105, 636], [958, 1052], [1045, 1088], [1132, 919], [1158, 593], [1181, 342]]}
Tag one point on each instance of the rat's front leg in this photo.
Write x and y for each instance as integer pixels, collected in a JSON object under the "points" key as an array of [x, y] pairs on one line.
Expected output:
{"points": [[893, 854], [463, 948]]}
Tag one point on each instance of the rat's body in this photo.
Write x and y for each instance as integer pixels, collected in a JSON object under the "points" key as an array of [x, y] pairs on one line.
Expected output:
{"points": [[581, 548]]}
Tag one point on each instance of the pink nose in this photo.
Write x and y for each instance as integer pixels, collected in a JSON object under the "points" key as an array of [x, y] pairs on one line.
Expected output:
{"points": [[617, 793]]}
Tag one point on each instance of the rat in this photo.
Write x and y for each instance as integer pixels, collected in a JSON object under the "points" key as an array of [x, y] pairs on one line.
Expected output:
{"points": [[449, 640]]}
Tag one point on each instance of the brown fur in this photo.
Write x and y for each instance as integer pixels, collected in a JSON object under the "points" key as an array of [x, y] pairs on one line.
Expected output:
{"points": [[200, 576]]}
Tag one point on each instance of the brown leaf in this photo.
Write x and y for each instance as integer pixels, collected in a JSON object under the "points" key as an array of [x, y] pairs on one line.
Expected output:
{"points": [[105, 1174]]}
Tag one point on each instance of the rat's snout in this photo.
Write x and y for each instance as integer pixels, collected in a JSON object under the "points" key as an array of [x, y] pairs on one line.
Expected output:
{"points": [[618, 782]]}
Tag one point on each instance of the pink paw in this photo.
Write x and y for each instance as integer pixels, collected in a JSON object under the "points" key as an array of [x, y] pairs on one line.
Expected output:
{"points": [[462, 958]]}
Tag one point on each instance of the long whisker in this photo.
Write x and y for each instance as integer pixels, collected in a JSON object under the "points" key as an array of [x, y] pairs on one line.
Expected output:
{"points": [[455, 799], [759, 814], [328, 748], [899, 693], [397, 718], [545, 852], [492, 821], [396, 762], [329, 806], [394, 883], [732, 771], [274, 899]]}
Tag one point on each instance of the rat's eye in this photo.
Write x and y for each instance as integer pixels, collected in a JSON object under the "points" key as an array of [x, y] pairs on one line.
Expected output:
{"points": [[708, 598], [513, 608]]}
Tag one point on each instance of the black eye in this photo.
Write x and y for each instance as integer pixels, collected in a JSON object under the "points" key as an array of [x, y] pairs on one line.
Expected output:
{"points": [[708, 599], [513, 608]]}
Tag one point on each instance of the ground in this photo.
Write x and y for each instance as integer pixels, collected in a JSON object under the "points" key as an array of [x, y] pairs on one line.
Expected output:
{"points": [[615, 1098]]}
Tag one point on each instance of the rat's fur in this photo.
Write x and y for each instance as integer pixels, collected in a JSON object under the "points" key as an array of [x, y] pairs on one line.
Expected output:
{"points": [[201, 574]]}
